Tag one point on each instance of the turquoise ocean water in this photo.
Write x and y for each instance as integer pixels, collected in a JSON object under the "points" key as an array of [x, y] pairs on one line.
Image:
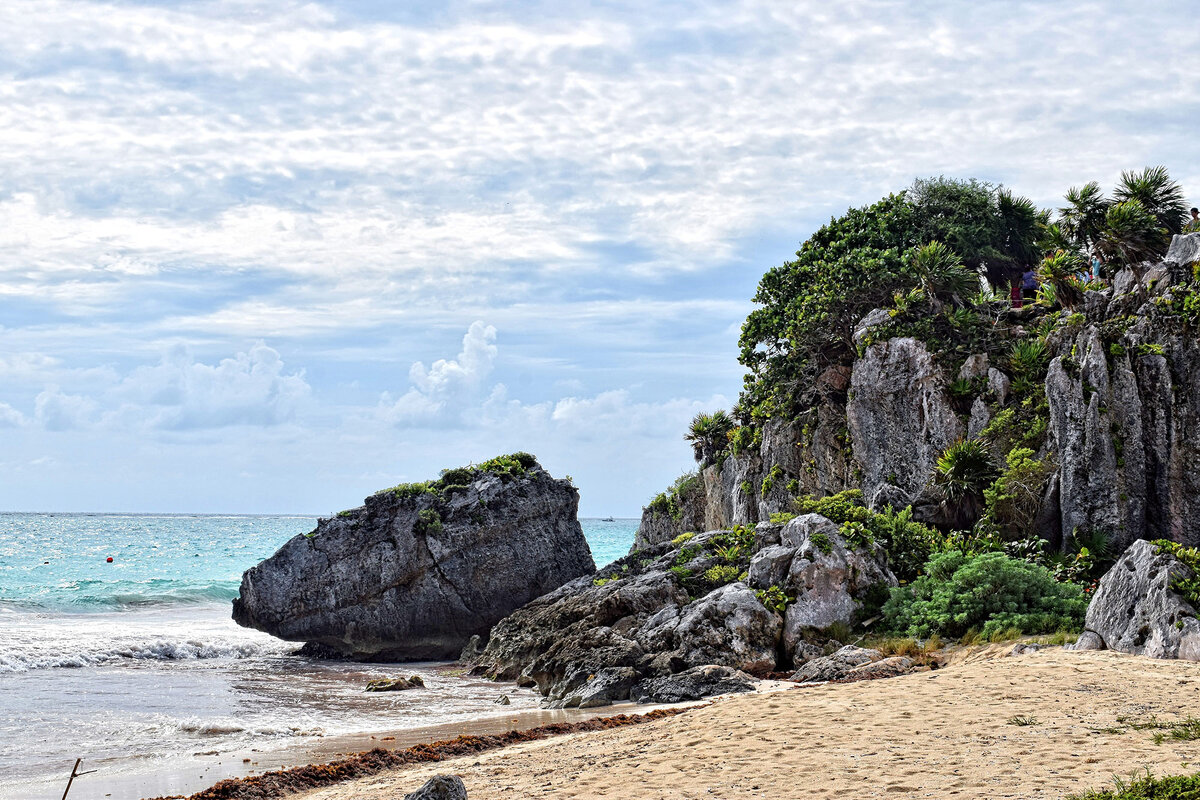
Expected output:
{"points": [[135, 666]]}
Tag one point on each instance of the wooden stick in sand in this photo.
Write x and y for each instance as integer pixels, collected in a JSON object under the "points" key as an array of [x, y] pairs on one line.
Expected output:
{"points": [[75, 773]]}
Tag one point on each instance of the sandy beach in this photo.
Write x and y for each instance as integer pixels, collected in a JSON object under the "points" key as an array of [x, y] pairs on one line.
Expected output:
{"points": [[940, 734]]}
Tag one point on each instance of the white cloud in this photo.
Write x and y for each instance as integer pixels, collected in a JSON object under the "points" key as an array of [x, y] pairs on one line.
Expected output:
{"points": [[179, 393], [10, 417], [58, 411], [447, 387]]}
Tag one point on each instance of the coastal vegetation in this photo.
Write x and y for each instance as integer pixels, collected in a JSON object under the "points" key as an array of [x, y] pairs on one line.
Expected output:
{"points": [[935, 263]]}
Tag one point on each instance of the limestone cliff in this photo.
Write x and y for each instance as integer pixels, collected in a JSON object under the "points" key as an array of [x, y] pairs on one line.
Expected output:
{"points": [[1113, 412]]}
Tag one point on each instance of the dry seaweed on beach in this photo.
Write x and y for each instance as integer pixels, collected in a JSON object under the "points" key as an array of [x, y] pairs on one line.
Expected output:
{"points": [[296, 779]]}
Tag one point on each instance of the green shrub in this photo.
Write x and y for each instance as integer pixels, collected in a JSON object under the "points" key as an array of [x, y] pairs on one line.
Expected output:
{"points": [[721, 574], [774, 598], [1175, 787], [671, 502], [821, 542], [683, 538], [962, 473], [429, 521], [782, 517], [768, 481], [1012, 502], [990, 591], [1187, 588]]}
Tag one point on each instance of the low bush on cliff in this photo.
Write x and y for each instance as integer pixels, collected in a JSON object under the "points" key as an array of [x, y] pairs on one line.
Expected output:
{"points": [[509, 467], [988, 592], [671, 502]]}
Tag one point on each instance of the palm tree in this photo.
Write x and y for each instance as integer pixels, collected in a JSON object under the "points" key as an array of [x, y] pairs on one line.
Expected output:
{"points": [[709, 435], [941, 273], [1082, 218], [964, 470], [1132, 233], [1059, 270], [1158, 194]]}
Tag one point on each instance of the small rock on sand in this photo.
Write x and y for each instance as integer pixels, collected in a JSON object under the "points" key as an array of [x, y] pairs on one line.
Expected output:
{"points": [[440, 787]]}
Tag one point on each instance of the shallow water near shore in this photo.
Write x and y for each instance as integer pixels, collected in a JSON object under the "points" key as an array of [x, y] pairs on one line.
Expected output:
{"points": [[136, 667]]}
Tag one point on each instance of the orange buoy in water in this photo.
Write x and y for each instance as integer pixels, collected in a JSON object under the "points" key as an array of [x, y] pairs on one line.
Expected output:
{"points": [[109, 559]]}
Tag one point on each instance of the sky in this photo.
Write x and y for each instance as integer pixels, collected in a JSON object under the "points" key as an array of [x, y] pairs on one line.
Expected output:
{"points": [[272, 257]]}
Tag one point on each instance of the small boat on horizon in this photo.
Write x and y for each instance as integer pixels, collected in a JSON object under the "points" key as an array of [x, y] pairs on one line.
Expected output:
{"points": [[607, 519]]}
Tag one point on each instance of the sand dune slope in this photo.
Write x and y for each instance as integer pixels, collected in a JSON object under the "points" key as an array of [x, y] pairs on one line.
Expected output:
{"points": [[942, 734]]}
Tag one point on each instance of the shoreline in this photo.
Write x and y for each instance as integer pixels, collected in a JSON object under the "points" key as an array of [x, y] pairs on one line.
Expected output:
{"points": [[946, 734], [293, 780]]}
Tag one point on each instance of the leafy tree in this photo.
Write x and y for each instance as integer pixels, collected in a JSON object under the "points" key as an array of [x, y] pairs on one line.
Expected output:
{"points": [[1082, 218], [963, 471], [857, 262], [940, 272], [1060, 270]]}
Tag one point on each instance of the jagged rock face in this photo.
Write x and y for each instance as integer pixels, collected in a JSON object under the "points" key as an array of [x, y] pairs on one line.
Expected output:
{"points": [[1125, 425], [829, 577], [900, 417], [588, 643], [649, 615], [657, 527], [836, 666], [1135, 609], [379, 582]]}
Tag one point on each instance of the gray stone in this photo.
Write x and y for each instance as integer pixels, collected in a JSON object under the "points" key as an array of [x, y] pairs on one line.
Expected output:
{"points": [[1184, 249], [883, 668], [900, 416], [979, 419], [440, 787], [728, 626], [769, 566], [1088, 640], [693, 684], [414, 578], [396, 684], [610, 685], [1135, 610], [1125, 281], [998, 385], [976, 366], [828, 577], [805, 652], [836, 666], [873, 319]]}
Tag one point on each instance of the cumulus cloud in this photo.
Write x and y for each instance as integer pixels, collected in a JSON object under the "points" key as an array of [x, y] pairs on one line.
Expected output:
{"points": [[449, 386], [10, 417], [56, 410], [180, 393]]}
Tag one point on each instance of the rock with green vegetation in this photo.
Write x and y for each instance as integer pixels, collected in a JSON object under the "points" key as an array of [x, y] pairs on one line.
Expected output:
{"points": [[659, 611], [826, 578], [677, 510], [1147, 603], [420, 568]]}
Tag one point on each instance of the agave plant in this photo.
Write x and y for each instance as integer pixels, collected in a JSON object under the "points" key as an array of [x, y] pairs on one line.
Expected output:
{"points": [[1027, 358], [941, 272], [1132, 233], [709, 435], [1060, 270], [1158, 194]]}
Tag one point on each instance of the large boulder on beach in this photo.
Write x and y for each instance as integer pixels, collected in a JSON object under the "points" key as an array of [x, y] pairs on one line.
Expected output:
{"points": [[419, 569], [1139, 606]]}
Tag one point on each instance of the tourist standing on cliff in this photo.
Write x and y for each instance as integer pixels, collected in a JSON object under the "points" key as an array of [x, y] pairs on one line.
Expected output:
{"points": [[1193, 225]]}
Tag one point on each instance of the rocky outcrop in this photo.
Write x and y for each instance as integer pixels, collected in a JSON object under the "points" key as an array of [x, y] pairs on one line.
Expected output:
{"points": [[693, 684], [836, 666], [901, 419], [1118, 429], [1138, 608], [676, 606], [418, 570], [829, 577]]}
